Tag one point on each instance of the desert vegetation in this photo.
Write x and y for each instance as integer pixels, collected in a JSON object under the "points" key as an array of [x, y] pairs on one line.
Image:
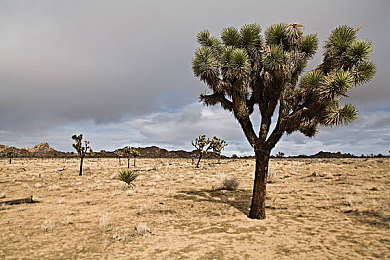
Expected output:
{"points": [[246, 71], [82, 150], [317, 208], [204, 145]]}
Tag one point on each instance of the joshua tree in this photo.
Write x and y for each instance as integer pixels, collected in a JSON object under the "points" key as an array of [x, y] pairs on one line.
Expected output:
{"points": [[280, 155], [81, 150], [127, 152], [118, 153], [193, 157], [200, 144], [10, 153], [135, 154], [246, 72], [217, 145]]}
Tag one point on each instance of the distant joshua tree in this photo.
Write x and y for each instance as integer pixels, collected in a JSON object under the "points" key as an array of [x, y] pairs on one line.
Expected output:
{"points": [[204, 145], [119, 154], [81, 150], [246, 71], [130, 151], [193, 157], [200, 144], [135, 154], [280, 155], [10, 153], [217, 145]]}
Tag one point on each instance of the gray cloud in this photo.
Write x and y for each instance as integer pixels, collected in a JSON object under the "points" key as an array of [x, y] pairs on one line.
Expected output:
{"points": [[97, 66]]}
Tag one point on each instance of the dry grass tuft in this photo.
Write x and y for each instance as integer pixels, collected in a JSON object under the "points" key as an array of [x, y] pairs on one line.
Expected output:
{"points": [[48, 225], [142, 230], [105, 222], [230, 183]]}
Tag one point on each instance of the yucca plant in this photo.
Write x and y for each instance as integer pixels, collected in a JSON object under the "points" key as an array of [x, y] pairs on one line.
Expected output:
{"points": [[246, 71], [128, 176], [81, 150]]}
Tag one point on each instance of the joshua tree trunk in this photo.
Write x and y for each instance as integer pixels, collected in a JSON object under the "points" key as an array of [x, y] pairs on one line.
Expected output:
{"points": [[10, 161], [81, 166], [200, 157], [134, 161], [128, 162], [259, 191], [119, 161]]}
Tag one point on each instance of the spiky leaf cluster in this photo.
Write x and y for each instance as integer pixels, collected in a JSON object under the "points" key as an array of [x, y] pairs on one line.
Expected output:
{"points": [[81, 149], [217, 145], [128, 176], [245, 70], [200, 144], [134, 152]]}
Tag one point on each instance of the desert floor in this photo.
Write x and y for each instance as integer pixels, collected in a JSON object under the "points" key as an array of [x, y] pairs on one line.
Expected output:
{"points": [[316, 209]]}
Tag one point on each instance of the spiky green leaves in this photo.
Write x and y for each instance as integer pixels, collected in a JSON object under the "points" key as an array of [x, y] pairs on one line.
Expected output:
{"points": [[250, 35], [204, 39], [336, 85], [200, 143], [364, 72], [239, 60], [359, 51], [275, 57], [276, 34], [341, 38], [336, 115], [309, 45], [230, 36], [205, 65], [128, 176], [312, 80], [217, 145]]}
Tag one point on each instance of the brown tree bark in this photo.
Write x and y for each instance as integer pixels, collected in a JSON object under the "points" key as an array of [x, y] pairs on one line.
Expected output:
{"points": [[81, 166], [200, 157], [257, 210]]}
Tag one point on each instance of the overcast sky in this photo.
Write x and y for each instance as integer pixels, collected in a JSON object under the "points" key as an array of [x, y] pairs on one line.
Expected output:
{"points": [[120, 72]]}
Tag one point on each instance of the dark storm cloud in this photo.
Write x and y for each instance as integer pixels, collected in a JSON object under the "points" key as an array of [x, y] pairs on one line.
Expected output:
{"points": [[91, 66]]}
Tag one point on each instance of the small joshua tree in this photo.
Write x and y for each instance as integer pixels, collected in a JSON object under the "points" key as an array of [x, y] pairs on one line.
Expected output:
{"points": [[127, 153], [200, 144], [10, 153], [280, 155], [81, 150], [193, 157], [217, 145], [135, 154], [118, 153]]}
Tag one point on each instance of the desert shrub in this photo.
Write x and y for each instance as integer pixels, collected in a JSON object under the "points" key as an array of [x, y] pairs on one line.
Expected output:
{"points": [[271, 177], [142, 230], [230, 183], [128, 176]]}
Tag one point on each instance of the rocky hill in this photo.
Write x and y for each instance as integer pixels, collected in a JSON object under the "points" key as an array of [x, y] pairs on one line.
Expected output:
{"points": [[44, 150]]}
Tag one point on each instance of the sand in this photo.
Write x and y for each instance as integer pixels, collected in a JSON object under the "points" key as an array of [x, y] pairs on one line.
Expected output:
{"points": [[316, 209]]}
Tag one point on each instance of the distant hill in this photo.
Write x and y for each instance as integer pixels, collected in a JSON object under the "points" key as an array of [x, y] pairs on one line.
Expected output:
{"points": [[44, 150]]}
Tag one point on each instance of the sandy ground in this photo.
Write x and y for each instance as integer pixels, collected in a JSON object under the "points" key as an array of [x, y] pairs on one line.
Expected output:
{"points": [[316, 209]]}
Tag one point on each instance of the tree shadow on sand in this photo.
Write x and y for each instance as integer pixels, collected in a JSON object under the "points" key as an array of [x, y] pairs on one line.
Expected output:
{"points": [[241, 197]]}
